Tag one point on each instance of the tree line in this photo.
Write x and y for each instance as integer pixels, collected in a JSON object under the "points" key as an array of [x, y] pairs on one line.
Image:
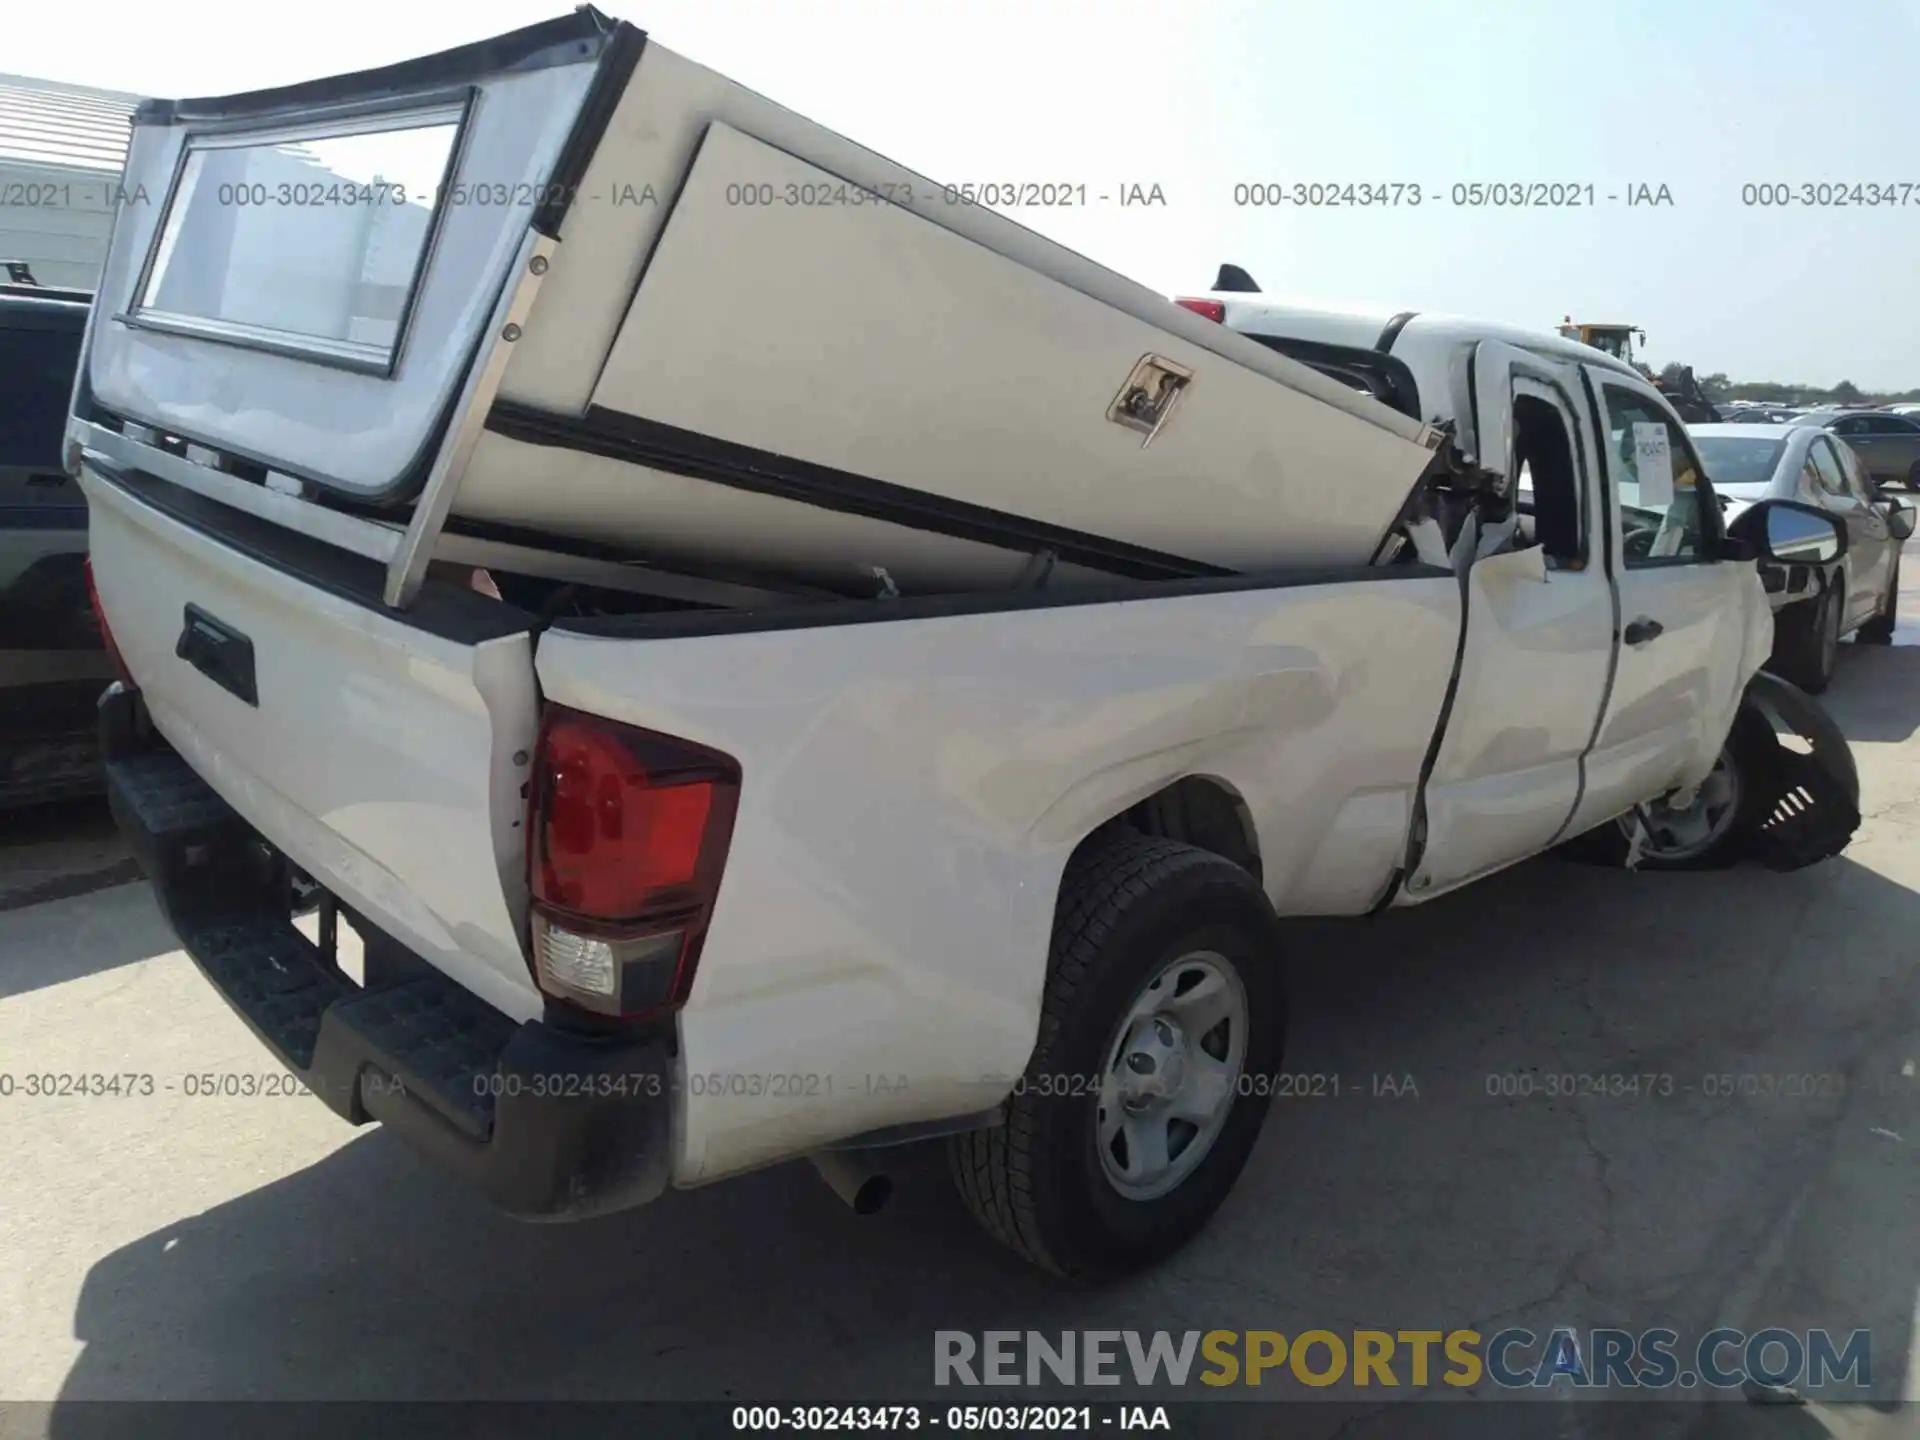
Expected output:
{"points": [[1719, 387]]}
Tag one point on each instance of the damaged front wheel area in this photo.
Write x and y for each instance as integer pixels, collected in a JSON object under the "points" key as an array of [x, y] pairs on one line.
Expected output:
{"points": [[1812, 796], [1716, 825], [1784, 792]]}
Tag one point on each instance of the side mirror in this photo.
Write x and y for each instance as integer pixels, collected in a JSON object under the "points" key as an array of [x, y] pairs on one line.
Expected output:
{"points": [[1900, 518], [1790, 533]]}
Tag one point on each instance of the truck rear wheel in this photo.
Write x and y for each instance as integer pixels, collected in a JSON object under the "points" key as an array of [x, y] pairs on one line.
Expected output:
{"points": [[1162, 1024]]}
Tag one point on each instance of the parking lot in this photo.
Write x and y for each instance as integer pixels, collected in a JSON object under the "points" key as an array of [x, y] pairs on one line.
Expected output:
{"points": [[174, 1245]]}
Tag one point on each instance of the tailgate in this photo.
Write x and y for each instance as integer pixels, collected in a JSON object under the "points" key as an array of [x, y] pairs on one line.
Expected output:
{"points": [[379, 753]]}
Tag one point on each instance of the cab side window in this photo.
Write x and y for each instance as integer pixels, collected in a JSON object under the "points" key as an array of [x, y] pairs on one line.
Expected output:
{"points": [[1661, 523], [1549, 488]]}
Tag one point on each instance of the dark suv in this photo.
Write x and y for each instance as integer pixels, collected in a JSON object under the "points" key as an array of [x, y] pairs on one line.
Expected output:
{"points": [[52, 663]]}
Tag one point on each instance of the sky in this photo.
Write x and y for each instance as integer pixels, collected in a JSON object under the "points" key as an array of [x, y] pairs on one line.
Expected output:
{"points": [[1703, 97]]}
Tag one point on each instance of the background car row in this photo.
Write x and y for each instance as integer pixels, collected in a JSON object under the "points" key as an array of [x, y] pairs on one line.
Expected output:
{"points": [[1859, 593], [1887, 440]]}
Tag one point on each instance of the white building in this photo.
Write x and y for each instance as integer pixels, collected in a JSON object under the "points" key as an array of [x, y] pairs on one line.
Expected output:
{"points": [[62, 151]]}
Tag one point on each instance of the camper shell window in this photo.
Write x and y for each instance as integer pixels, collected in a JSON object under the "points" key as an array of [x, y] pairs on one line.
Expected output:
{"points": [[307, 241]]}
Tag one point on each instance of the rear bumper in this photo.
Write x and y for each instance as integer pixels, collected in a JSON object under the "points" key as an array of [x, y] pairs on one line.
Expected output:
{"points": [[548, 1123]]}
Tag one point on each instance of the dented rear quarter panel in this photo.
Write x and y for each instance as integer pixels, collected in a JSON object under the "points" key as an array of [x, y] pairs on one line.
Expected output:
{"points": [[912, 791]]}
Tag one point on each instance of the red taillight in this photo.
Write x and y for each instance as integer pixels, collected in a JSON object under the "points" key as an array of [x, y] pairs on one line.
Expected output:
{"points": [[106, 631], [1214, 310], [627, 836]]}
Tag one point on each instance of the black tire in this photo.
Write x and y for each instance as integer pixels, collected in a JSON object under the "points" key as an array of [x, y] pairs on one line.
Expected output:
{"points": [[1806, 640], [1128, 907], [1750, 751], [1913, 476], [1879, 630]]}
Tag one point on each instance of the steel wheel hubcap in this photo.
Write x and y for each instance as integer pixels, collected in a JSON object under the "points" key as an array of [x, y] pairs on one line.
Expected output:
{"points": [[1677, 833], [1171, 1076]]}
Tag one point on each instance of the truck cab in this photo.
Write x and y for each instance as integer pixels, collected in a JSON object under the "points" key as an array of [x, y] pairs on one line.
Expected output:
{"points": [[1655, 635]]}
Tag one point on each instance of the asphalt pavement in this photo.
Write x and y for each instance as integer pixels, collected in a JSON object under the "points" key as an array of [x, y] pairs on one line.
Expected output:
{"points": [[185, 1246]]}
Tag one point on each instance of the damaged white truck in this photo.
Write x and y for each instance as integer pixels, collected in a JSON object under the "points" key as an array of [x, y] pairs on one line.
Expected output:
{"points": [[773, 660]]}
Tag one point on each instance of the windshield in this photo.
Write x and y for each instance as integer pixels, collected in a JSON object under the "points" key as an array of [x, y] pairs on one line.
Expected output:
{"points": [[1738, 459]]}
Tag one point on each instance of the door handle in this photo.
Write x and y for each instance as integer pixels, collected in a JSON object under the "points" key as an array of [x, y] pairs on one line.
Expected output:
{"points": [[1642, 630]]}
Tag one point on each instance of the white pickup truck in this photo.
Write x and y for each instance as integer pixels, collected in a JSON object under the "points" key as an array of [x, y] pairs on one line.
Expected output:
{"points": [[743, 723]]}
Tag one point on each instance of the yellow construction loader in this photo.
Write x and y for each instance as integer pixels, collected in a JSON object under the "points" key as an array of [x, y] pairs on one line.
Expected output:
{"points": [[1617, 340]]}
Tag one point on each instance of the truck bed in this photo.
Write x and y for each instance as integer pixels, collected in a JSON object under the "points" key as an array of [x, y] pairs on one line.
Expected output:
{"points": [[915, 774]]}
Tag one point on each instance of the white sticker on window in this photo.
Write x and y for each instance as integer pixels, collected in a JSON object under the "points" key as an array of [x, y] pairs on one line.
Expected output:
{"points": [[1653, 462]]}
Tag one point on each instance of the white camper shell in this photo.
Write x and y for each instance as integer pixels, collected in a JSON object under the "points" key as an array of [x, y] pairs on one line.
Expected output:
{"points": [[571, 284]]}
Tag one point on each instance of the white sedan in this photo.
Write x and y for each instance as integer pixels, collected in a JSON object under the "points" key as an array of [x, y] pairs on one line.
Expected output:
{"points": [[1814, 607]]}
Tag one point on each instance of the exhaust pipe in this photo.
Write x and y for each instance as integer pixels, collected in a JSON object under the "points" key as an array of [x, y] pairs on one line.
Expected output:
{"points": [[854, 1179]]}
